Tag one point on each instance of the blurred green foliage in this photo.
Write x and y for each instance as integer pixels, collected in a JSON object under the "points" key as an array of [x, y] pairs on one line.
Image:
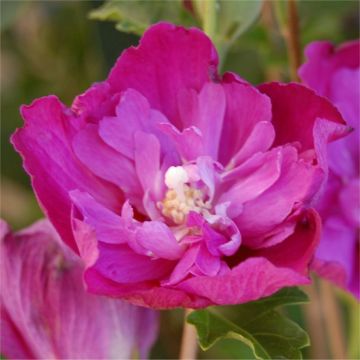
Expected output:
{"points": [[135, 16], [51, 47], [46, 48]]}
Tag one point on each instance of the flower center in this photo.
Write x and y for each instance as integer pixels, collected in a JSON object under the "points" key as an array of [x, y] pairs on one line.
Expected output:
{"points": [[180, 197]]}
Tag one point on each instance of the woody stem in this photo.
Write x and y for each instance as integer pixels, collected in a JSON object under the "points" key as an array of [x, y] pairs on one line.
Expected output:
{"points": [[289, 27], [189, 346]]}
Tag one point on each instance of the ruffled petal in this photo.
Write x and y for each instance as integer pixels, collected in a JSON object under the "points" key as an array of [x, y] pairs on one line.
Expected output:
{"points": [[349, 199], [159, 240], [260, 139], [207, 263], [144, 293], [188, 142], [124, 261], [160, 66], [95, 103], [147, 163], [206, 112], [121, 264], [183, 267], [324, 60], [104, 161], [297, 184], [295, 109], [296, 252], [245, 107], [337, 257], [265, 272], [45, 146], [133, 113], [109, 227], [345, 94], [252, 178], [250, 280]]}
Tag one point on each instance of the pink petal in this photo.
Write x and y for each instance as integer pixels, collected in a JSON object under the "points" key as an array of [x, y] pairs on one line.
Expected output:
{"points": [[265, 272], [159, 239], [189, 142], [250, 280], [207, 115], [345, 94], [159, 67], [275, 236], [133, 114], [295, 109], [350, 202], [265, 170], [324, 131], [245, 107], [207, 263], [217, 243], [12, 345], [118, 262], [105, 162], [206, 168], [337, 257], [260, 139], [182, 268], [44, 299], [44, 144], [297, 184], [95, 103], [297, 250], [109, 227], [121, 264], [343, 155], [147, 162], [144, 294], [324, 60]]}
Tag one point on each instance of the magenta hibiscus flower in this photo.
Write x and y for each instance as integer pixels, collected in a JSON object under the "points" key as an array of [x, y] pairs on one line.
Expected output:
{"points": [[47, 314], [179, 187], [335, 73]]}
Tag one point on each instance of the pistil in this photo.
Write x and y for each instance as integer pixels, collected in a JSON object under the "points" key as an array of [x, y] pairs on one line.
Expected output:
{"points": [[181, 197]]}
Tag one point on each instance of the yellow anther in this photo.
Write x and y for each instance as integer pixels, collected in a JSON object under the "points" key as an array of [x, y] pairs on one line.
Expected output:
{"points": [[177, 208]]}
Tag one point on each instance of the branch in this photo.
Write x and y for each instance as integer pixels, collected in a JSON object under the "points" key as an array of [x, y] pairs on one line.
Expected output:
{"points": [[189, 346]]}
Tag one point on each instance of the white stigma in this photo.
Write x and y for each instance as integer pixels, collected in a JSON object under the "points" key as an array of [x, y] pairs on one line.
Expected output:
{"points": [[175, 178]]}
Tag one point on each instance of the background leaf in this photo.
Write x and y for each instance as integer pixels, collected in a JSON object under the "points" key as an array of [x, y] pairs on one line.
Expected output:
{"points": [[135, 16], [233, 17], [264, 330], [9, 11]]}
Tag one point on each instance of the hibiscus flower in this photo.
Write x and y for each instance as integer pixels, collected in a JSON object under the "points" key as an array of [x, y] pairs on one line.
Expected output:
{"points": [[335, 73], [178, 186], [46, 312]]}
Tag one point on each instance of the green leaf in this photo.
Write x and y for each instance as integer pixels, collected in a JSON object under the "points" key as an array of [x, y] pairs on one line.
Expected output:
{"points": [[233, 18], [268, 333], [135, 16], [236, 16]]}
